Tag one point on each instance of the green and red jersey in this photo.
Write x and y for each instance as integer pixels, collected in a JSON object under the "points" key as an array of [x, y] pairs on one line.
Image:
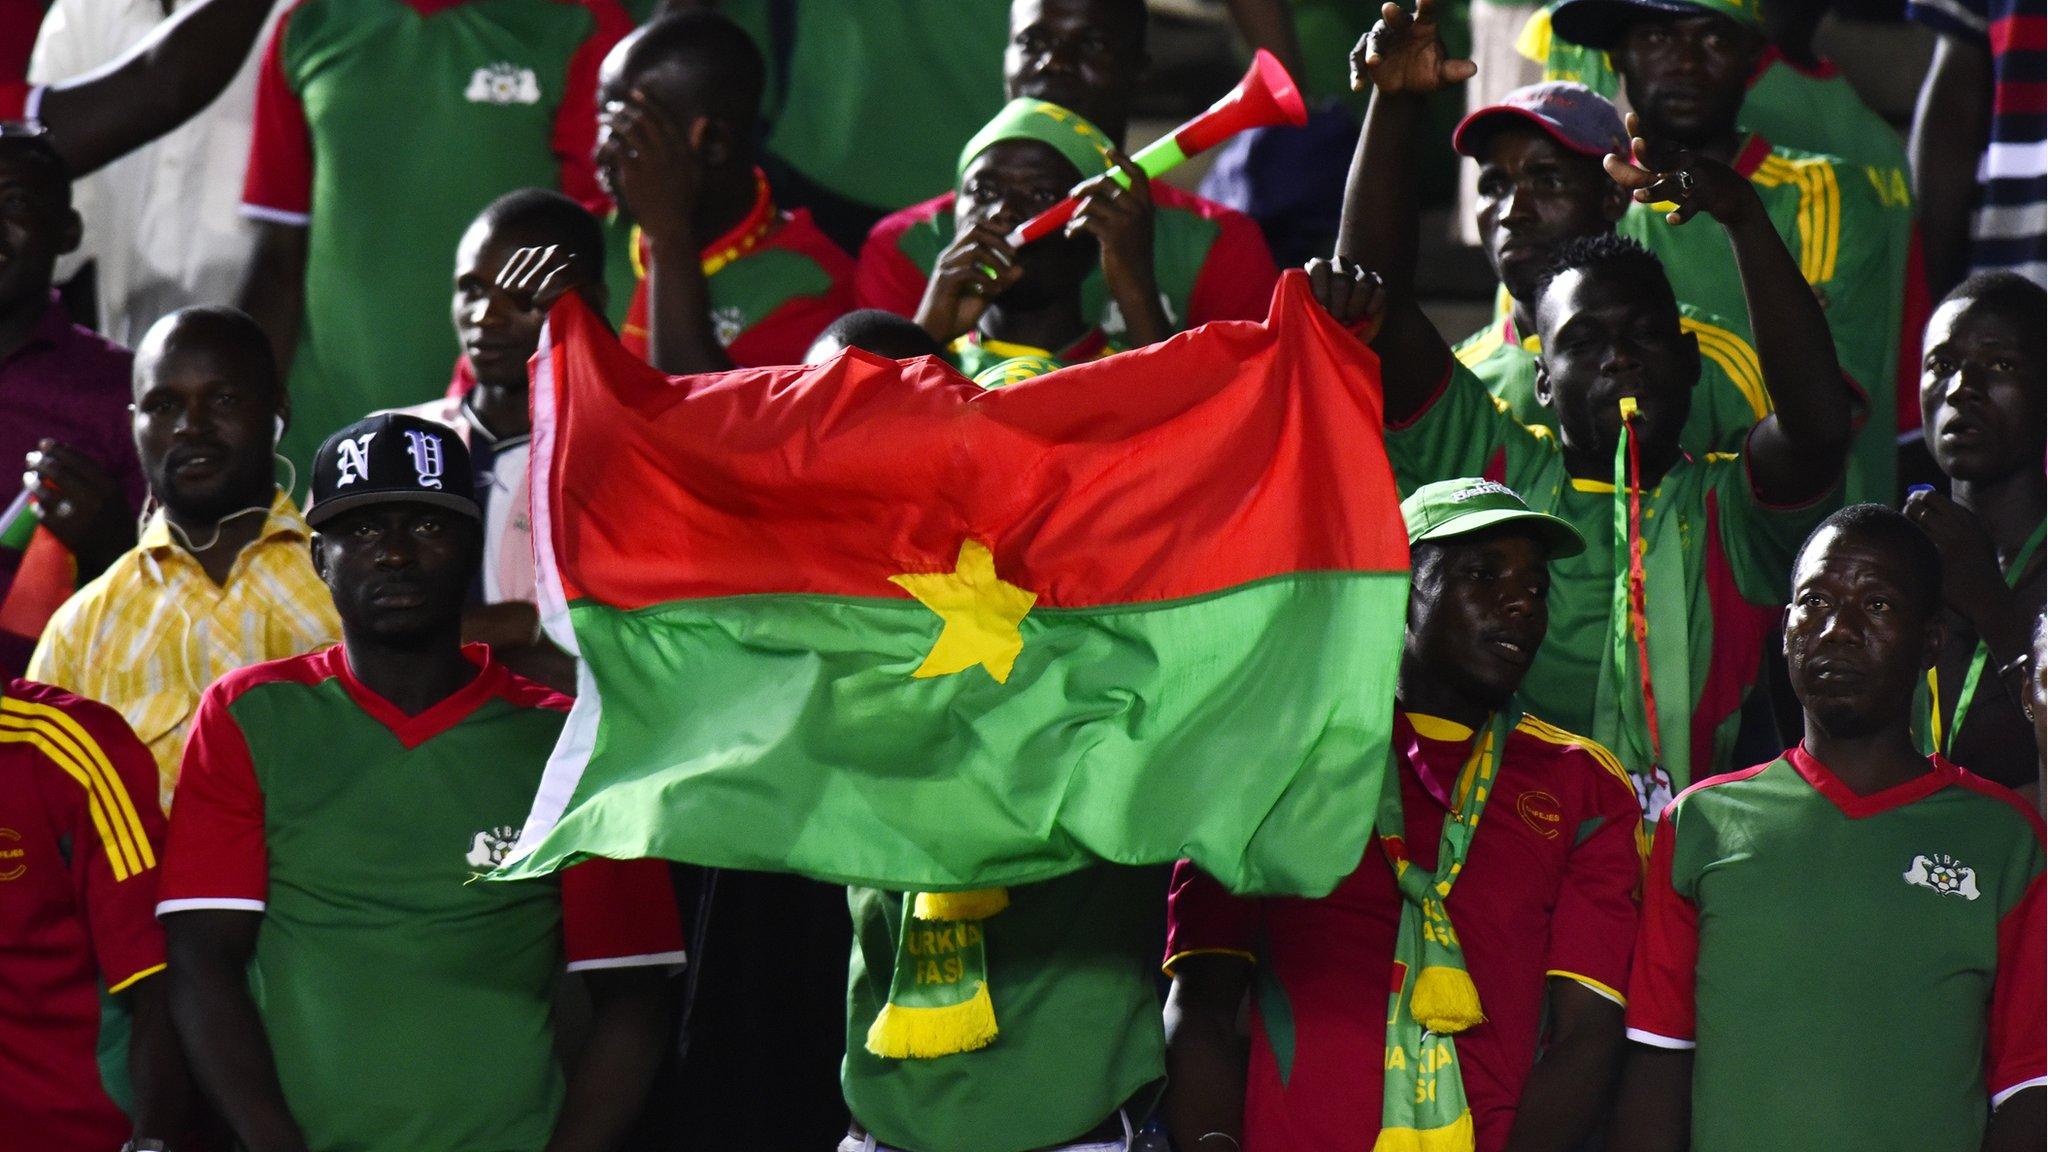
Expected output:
{"points": [[775, 282], [1069, 973], [386, 979], [1850, 248], [384, 127], [1211, 262], [1547, 891], [1849, 971], [1718, 559], [79, 837], [1728, 402]]}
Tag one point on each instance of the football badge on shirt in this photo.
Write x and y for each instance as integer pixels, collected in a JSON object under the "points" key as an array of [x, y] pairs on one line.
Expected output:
{"points": [[503, 83], [1945, 874], [488, 848], [13, 857]]}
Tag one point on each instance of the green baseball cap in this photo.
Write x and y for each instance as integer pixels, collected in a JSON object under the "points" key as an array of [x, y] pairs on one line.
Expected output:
{"points": [[1448, 509], [1602, 23], [1069, 133]]}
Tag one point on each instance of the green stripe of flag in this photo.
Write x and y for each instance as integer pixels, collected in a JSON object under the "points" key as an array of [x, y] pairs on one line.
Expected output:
{"points": [[1254, 719]]}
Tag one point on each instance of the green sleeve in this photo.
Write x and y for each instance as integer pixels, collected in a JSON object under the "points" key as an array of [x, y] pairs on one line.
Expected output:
{"points": [[1760, 540], [1459, 433], [1863, 301]]}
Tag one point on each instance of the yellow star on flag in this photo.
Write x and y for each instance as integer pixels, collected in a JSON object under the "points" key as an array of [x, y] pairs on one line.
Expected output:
{"points": [[981, 613]]}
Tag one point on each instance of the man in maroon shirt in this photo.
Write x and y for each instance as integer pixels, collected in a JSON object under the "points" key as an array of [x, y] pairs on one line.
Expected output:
{"points": [[63, 390], [1211, 262], [1542, 903]]}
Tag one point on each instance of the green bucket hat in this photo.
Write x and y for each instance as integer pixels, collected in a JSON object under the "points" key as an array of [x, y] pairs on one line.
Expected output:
{"points": [[1451, 508], [1601, 23], [1067, 132]]}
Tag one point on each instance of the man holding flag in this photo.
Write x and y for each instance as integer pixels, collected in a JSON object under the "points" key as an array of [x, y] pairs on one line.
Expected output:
{"points": [[967, 707]]}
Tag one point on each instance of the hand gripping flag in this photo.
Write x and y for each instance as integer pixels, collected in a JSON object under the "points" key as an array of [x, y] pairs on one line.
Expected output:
{"points": [[868, 622]]}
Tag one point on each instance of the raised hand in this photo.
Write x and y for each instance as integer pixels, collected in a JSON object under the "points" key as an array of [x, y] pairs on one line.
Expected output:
{"points": [[1120, 219], [1971, 581], [80, 502], [1405, 52], [1695, 183], [650, 164], [961, 284], [537, 277], [1353, 296]]}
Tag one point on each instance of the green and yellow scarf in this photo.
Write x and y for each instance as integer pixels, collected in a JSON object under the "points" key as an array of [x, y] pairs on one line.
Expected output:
{"points": [[938, 994], [1422, 1100]]}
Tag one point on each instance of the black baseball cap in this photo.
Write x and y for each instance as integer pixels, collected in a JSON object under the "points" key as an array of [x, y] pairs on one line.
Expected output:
{"points": [[392, 458]]}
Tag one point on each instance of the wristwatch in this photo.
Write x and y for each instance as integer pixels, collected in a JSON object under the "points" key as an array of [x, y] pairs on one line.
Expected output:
{"points": [[145, 1145]]}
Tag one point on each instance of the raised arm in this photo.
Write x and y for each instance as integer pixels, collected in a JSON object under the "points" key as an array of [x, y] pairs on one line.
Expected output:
{"points": [[1653, 1113], [1795, 453], [222, 1031], [651, 148], [1404, 60], [168, 78], [1951, 125], [1205, 1054]]}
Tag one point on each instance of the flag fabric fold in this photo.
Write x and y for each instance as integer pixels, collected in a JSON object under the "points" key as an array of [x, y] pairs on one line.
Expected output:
{"points": [[871, 623]]}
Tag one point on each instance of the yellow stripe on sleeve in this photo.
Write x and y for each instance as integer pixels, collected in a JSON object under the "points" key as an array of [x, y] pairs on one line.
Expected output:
{"points": [[1607, 990], [138, 978], [61, 738], [1831, 216], [1177, 957], [1736, 358], [121, 857]]}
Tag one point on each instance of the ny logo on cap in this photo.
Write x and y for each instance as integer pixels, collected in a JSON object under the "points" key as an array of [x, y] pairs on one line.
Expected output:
{"points": [[354, 455], [426, 457]]}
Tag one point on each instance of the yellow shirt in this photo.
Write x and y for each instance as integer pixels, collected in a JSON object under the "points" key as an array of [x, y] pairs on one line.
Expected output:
{"points": [[154, 630]]}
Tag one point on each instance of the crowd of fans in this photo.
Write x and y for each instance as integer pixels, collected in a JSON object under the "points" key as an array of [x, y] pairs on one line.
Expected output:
{"points": [[1713, 818]]}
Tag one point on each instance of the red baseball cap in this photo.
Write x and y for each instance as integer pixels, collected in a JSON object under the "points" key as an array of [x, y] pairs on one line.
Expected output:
{"points": [[1572, 114]]}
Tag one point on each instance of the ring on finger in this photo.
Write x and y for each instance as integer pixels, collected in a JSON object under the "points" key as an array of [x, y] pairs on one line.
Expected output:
{"points": [[1684, 180]]}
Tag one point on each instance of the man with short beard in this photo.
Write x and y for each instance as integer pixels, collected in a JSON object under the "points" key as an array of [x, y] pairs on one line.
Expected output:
{"points": [[220, 578], [1842, 948]]}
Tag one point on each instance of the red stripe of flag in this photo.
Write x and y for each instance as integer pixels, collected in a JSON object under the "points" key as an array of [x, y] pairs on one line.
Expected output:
{"points": [[1234, 453]]}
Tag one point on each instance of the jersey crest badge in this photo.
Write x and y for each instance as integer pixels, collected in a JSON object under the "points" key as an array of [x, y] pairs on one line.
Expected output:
{"points": [[1945, 874], [503, 83], [353, 454], [425, 448], [490, 846], [727, 323], [12, 855]]}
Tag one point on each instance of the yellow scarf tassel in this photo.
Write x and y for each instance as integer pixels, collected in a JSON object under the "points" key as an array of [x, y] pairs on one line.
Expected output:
{"points": [[976, 904], [1445, 1001], [907, 1033]]}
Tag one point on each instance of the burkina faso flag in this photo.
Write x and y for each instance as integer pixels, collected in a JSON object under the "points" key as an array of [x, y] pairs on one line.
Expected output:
{"points": [[868, 622]]}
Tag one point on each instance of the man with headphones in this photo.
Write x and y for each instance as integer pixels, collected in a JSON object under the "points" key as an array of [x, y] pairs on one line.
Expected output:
{"points": [[221, 576]]}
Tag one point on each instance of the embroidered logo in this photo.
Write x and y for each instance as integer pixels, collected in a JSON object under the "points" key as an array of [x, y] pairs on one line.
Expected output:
{"points": [[491, 846], [1945, 874], [425, 448], [1541, 812], [503, 83], [1653, 792], [12, 855], [1480, 488], [354, 459], [727, 323]]}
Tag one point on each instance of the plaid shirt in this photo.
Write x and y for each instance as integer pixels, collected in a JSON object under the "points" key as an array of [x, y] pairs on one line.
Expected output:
{"points": [[154, 630]]}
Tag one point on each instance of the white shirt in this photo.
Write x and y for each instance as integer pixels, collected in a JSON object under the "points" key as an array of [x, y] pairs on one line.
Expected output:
{"points": [[162, 223]]}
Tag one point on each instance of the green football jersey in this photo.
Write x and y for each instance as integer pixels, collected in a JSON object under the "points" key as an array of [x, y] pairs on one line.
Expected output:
{"points": [[843, 75], [1849, 971], [1717, 563], [1729, 401], [1070, 972], [406, 1007], [1850, 248], [383, 127]]}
